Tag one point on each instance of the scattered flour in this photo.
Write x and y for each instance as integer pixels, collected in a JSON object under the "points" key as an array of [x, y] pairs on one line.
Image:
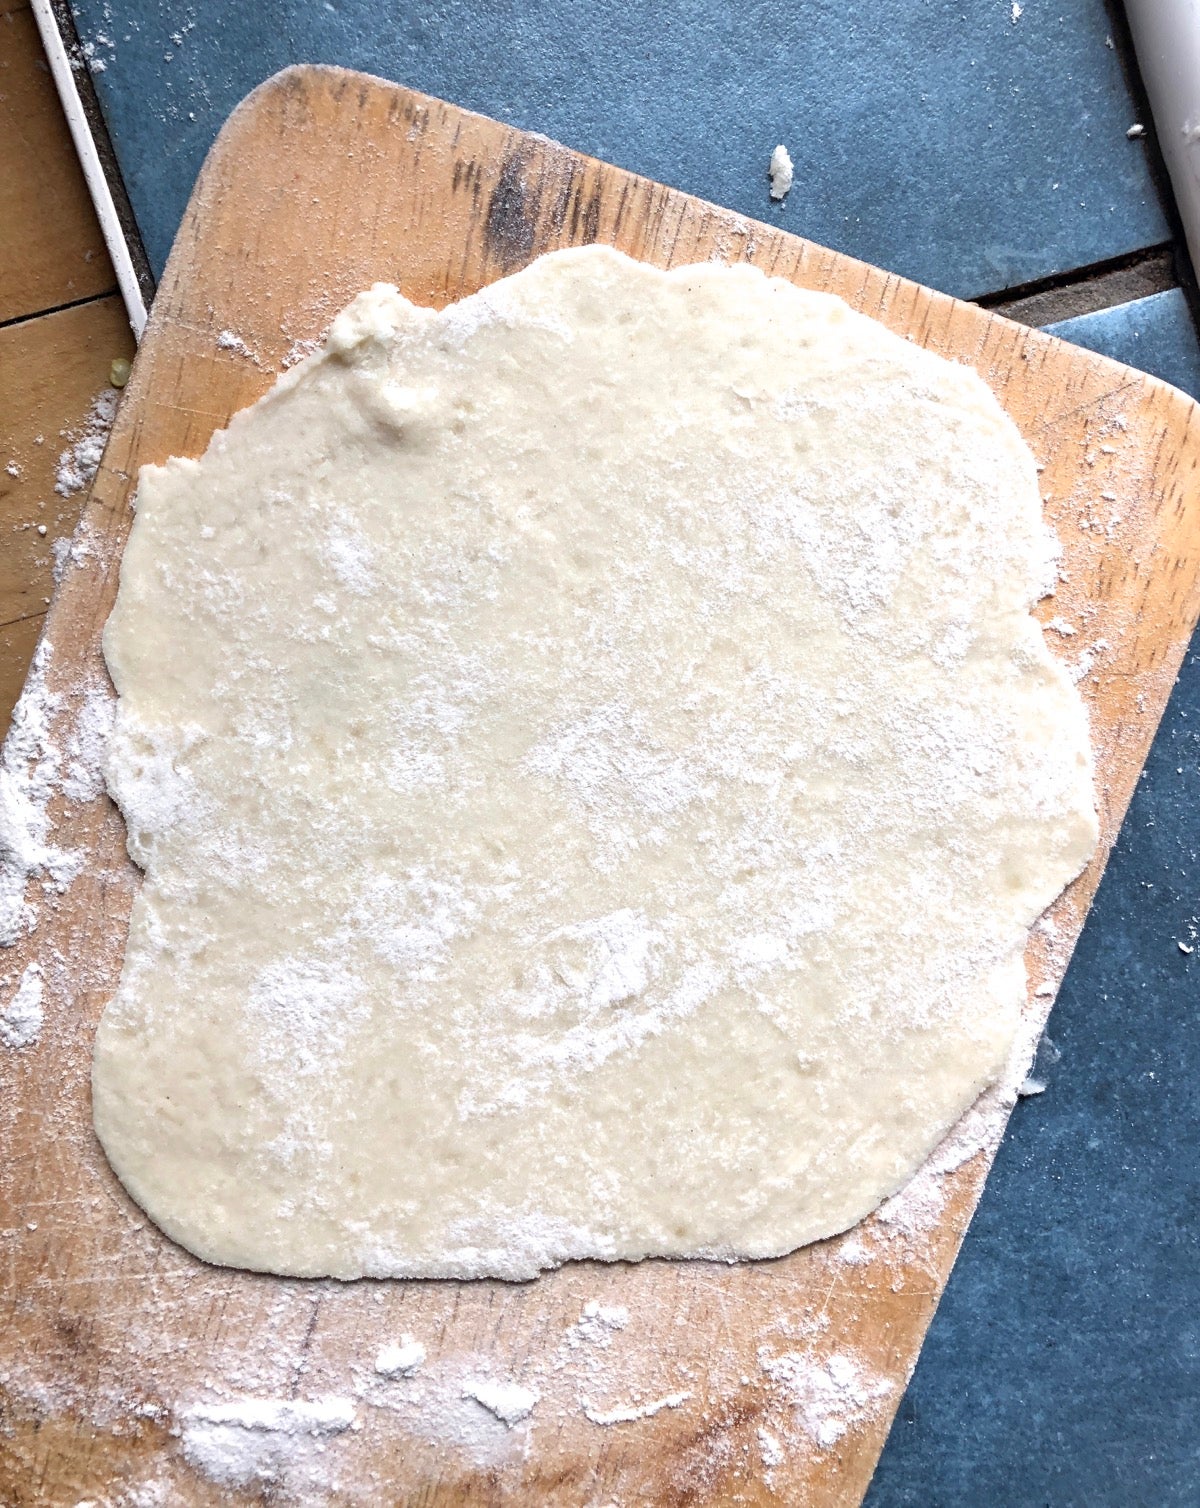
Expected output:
{"points": [[853, 1252], [611, 764], [83, 776], [230, 340], [440, 1403], [630, 1412], [262, 1440], [30, 766], [77, 465], [827, 1397], [771, 1450], [149, 1494], [87, 54], [303, 1009], [21, 1019], [402, 1360], [60, 549], [507, 1400], [1086, 662], [300, 350], [35, 766]]}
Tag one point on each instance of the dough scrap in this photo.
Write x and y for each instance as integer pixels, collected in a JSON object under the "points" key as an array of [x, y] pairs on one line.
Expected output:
{"points": [[594, 768]]}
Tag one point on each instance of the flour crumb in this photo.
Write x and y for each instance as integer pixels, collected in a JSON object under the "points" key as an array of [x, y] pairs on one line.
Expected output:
{"points": [[230, 340], [1136, 130], [507, 1400], [916, 1208], [770, 1449], [1030, 1086], [596, 1325], [1017, 12], [781, 172], [630, 1412], [1061, 626], [402, 1360], [21, 1019]]}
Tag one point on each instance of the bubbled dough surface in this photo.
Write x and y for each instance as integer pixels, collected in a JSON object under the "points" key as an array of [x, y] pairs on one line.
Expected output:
{"points": [[594, 768]]}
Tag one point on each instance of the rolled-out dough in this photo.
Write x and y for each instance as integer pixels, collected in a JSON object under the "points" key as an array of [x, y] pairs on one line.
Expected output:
{"points": [[594, 768]]}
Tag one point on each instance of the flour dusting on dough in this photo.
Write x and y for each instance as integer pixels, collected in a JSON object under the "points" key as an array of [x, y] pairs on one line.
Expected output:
{"points": [[592, 754]]}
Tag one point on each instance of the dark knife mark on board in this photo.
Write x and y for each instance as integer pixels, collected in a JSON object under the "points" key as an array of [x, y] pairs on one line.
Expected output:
{"points": [[540, 200]]}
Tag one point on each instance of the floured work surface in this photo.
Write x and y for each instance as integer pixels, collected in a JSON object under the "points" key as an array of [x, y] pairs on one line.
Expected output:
{"points": [[136, 1374]]}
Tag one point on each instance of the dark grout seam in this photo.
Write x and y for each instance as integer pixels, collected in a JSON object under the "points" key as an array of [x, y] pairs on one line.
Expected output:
{"points": [[74, 303], [1088, 290], [23, 618]]}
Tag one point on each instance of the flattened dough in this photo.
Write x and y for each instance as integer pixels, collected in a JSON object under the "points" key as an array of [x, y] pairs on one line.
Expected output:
{"points": [[594, 768]]}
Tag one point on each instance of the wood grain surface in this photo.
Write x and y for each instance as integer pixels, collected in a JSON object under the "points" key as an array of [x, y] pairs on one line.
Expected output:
{"points": [[54, 361], [112, 1339], [53, 369], [54, 252]]}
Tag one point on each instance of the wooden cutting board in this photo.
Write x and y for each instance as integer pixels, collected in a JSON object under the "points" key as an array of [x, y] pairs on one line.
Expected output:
{"points": [[771, 1382]]}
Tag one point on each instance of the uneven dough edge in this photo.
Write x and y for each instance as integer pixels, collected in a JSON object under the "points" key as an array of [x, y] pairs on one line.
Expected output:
{"points": [[134, 1118]]}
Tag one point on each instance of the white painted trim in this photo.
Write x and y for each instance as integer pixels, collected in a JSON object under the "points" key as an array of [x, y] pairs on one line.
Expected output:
{"points": [[1166, 38], [89, 159]]}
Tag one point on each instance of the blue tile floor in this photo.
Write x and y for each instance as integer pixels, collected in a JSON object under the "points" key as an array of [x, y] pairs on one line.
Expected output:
{"points": [[1154, 334], [941, 140]]}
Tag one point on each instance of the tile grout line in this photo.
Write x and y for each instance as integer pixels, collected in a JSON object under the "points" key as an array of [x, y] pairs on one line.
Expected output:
{"points": [[23, 618], [1087, 290], [74, 303]]}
